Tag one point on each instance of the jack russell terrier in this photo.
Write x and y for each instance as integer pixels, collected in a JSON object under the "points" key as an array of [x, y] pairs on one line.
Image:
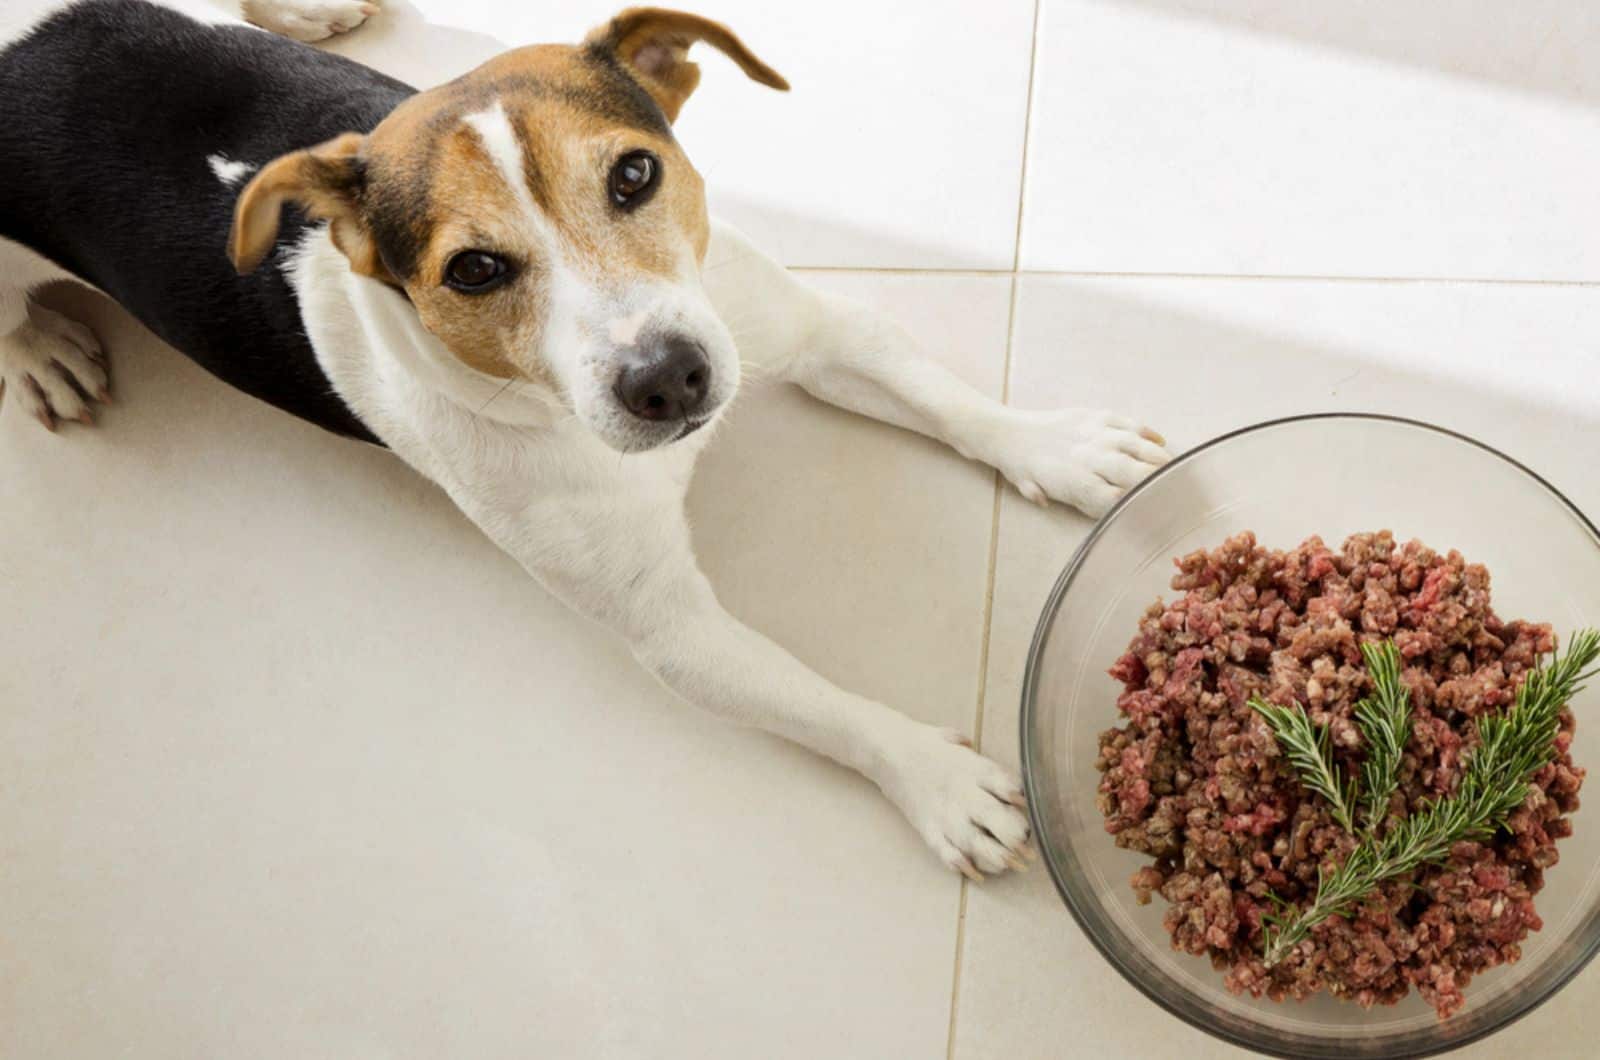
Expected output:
{"points": [[508, 280]]}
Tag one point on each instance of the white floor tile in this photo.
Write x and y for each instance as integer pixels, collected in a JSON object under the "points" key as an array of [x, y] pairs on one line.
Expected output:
{"points": [[297, 764], [900, 145], [1196, 358], [1425, 138]]}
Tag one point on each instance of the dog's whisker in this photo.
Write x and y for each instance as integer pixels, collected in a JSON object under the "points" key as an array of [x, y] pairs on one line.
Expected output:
{"points": [[503, 387], [756, 372]]}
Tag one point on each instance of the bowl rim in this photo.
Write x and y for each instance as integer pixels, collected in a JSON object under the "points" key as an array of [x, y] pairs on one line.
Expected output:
{"points": [[1029, 749]]}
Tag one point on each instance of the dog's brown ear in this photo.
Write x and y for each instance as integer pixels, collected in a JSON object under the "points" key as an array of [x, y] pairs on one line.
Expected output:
{"points": [[653, 43], [326, 181]]}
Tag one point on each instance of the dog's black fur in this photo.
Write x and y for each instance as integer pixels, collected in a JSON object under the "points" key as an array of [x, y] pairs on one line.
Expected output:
{"points": [[110, 109]]}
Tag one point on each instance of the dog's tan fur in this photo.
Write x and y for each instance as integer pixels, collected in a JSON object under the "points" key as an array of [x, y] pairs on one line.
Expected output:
{"points": [[426, 169]]}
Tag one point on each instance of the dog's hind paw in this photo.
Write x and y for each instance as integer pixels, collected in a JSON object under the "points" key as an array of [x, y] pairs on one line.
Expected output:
{"points": [[308, 20], [1083, 457], [967, 808], [53, 368]]}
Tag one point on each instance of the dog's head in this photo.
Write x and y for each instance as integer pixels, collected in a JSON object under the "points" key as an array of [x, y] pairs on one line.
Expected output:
{"points": [[543, 222]]}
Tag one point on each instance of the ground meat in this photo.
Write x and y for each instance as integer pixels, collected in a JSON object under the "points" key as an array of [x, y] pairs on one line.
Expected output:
{"points": [[1195, 780]]}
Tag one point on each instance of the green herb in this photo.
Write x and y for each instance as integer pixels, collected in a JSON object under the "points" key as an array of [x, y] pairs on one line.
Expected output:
{"points": [[1512, 746], [1310, 750], [1385, 721]]}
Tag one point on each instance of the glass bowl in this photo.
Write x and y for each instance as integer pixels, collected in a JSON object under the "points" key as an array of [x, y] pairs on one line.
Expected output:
{"points": [[1331, 475]]}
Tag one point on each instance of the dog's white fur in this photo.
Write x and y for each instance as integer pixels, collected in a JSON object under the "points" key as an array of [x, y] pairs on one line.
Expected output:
{"points": [[228, 171], [308, 20], [609, 536]]}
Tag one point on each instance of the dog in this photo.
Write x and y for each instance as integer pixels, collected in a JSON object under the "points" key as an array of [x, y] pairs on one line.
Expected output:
{"points": [[508, 281]]}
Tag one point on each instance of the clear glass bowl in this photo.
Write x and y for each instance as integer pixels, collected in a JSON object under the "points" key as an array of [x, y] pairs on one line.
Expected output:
{"points": [[1330, 475]]}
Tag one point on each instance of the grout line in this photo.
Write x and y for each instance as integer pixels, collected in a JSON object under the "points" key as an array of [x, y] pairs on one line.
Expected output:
{"points": [[994, 528], [988, 610], [1312, 277], [802, 269], [983, 670], [1027, 144], [1260, 277], [955, 976]]}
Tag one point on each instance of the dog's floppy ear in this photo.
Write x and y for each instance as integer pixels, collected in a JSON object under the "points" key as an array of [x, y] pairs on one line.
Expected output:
{"points": [[326, 181], [653, 43]]}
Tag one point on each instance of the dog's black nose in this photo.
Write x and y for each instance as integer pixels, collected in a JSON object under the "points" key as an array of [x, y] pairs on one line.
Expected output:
{"points": [[671, 386]]}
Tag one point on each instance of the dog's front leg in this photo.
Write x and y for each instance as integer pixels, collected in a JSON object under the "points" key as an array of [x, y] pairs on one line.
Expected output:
{"points": [[622, 555], [967, 808], [852, 356]]}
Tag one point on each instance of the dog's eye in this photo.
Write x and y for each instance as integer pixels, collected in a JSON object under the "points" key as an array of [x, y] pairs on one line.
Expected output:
{"points": [[475, 271], [633, 178]]}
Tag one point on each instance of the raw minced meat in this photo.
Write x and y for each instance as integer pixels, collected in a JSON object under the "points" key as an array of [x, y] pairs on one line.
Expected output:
{"points": [[1195, 779]]}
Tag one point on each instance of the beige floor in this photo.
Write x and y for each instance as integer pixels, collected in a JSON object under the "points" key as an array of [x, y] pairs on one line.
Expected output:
{"points": [[294, 764]]}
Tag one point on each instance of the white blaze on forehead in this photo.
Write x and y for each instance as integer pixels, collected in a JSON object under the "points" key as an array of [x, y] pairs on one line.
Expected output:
{"points": [[623, 331], [569, 297], [500, 142], [227, 170]]}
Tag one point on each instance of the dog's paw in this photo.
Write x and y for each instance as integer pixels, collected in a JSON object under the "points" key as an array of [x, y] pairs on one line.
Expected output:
{"points": [[53, 368], [967, 808], [308, 20], [1083, 457]]}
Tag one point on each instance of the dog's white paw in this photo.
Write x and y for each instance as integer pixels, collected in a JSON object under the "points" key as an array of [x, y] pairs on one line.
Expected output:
{"points": [[967, 808], [308, 20], [53, 368], [1083, 457]]}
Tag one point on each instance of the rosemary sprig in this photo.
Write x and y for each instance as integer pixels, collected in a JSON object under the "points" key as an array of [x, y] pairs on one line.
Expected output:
{"points": [[1384, 719], [1309, 749], [1512, 746]]}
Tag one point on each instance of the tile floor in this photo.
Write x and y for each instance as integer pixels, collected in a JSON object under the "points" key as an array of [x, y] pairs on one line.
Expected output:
{"points": [[294, 763]]}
